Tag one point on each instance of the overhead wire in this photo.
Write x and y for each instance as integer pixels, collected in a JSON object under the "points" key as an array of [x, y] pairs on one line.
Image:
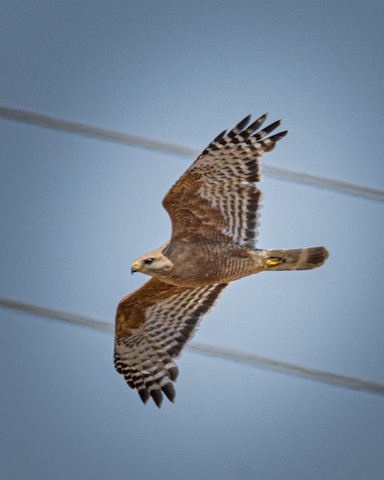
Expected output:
{"points": [[241, 357], [184, 152]]}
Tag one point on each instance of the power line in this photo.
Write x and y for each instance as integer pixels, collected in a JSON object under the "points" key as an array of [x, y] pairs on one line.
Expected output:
{"points": [[94, 132], [149, 144], [217, 352], [56, 315], [288, 368]]}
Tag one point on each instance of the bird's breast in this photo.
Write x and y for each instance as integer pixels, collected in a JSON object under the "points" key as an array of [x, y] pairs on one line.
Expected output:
{"points": [[208, 263]]}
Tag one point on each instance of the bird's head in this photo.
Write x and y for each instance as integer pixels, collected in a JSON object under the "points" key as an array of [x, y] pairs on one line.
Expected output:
{"points": [[152, 263]]}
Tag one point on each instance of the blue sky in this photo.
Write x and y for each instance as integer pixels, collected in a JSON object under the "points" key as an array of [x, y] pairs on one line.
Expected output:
{"points": [[76, 211]]}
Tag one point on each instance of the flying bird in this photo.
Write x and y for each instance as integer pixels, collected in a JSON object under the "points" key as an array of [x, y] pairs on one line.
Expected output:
{"points": [[214, 212]]}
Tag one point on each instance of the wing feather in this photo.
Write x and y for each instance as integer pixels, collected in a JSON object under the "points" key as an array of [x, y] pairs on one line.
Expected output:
{"points": [[153, 325], [218, 198]]}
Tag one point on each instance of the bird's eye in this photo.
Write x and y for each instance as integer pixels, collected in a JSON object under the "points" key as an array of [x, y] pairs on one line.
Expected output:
{"points": [[148, 261]]}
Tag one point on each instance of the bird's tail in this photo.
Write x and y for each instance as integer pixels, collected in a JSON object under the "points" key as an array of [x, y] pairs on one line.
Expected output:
{"points": [[297, 259]]}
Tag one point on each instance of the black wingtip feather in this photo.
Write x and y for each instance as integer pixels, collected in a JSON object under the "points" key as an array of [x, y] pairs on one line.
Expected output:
{"points": [[169, 391], [157, 397], [241, 125], [144, 395], [279, 136], [173, 373], [265, 131], [220, 136], [254, 126]]}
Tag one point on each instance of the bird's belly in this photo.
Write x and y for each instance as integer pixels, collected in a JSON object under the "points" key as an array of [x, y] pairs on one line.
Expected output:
{"points": [[204, 267]]}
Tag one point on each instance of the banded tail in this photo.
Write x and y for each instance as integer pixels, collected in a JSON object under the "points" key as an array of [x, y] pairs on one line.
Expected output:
{"points": [[297, 259]]}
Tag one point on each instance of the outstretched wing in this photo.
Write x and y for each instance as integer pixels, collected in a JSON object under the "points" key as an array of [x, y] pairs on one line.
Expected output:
{"points": [[217, 198], [153, 325]]}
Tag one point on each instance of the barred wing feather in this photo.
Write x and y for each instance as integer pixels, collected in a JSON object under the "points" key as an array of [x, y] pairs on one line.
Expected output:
{"points": [[218, 197], [153, 325]]}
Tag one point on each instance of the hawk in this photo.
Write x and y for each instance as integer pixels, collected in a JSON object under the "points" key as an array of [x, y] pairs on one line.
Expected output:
{"points": [[214, 212]]}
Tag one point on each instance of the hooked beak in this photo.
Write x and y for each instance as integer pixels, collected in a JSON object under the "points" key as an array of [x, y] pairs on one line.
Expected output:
{"points": [[135, 267]]}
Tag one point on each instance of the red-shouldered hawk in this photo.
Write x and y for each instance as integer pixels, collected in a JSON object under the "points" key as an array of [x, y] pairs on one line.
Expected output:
{"points": [[214, 212]]}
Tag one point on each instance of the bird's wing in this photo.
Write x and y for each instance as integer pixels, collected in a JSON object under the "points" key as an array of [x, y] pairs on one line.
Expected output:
{"points": [[153, 325], [217, 198]]}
